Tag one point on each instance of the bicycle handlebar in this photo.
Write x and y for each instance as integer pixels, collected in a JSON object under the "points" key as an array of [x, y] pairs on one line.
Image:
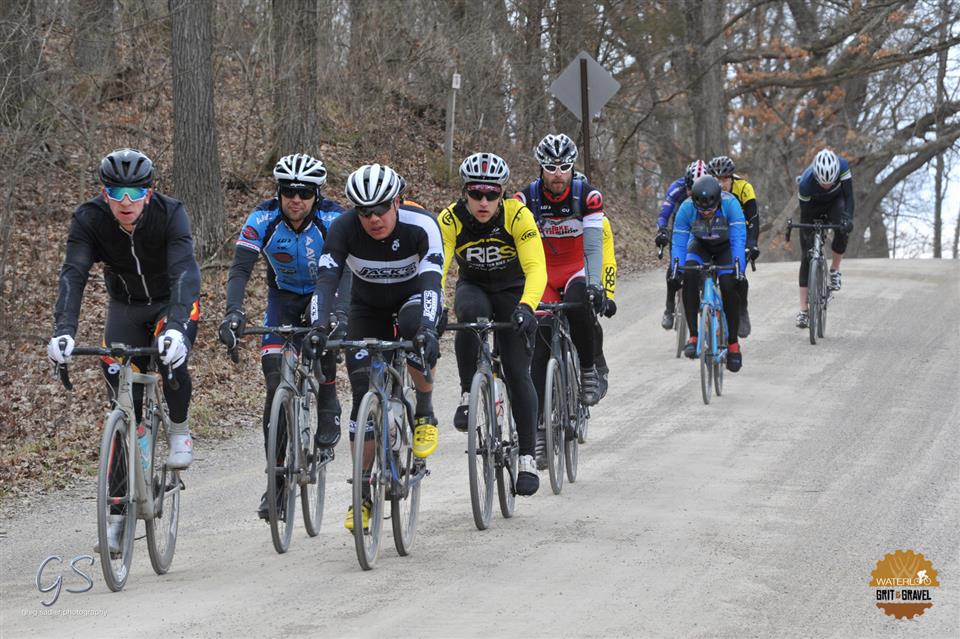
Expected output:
{"points": [[115, 351], [480, 326], [287, 330], [815, 225], [559, 306]]}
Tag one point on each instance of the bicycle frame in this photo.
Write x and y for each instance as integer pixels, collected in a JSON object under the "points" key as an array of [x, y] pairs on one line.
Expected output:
{"points": [[561, 342]]}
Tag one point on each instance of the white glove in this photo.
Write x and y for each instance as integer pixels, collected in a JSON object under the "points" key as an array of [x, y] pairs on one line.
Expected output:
{"points": [[175, 354], [53, 349]]}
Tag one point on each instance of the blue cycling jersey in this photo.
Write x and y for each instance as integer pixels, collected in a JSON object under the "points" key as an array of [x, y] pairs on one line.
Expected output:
{"points": [[726, 226], [291, 256], [809, 190], [676, 193]]}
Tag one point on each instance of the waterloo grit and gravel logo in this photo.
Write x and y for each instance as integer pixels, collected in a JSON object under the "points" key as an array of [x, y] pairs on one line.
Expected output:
{"points": [[904, 583]]}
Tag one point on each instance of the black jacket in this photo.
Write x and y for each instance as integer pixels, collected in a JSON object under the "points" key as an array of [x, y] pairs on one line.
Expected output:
{"points": [[154, 264]]}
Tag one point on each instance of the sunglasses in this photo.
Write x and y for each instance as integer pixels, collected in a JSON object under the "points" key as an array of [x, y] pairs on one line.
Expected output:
{"points": [[379, 210], [489, 196], [553, 168], [135, 193], [293, 191]]}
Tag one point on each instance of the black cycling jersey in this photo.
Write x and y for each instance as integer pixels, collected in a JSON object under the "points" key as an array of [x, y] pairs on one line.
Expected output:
{"points": [[154, 263], [385, 272]]}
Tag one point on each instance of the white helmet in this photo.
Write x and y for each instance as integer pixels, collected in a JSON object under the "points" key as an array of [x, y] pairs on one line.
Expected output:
{"points": [[373, 184], [300, 169], [484, 167], [695, 170], [556, 149], [826, 167]]}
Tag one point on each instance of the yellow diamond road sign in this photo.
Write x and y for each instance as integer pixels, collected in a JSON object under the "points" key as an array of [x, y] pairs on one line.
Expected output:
{"points": [[601, 86]]}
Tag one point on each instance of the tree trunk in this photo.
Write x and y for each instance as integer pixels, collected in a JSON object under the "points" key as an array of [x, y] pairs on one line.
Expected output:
{"points": [[706, 97], [94, 53], [941, 91], [295, 77], [956, 236], [196, 165]]}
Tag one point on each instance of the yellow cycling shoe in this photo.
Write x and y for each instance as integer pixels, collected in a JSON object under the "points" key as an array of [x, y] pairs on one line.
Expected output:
{"points": [[365, 514], [425, 435]]}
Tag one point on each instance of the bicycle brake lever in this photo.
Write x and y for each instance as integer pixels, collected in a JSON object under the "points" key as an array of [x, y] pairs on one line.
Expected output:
{"points": [[171, 380], [61, 370], [234, 354]]}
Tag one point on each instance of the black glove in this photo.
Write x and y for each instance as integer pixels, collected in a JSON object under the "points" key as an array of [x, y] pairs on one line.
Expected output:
{"points": [[340, 332], [752, 253], [427, 339], [230, 328], [597, 297], [314, 342], [525, 323], [444, 320], [847, 225], [610, 308], [661, 240]]}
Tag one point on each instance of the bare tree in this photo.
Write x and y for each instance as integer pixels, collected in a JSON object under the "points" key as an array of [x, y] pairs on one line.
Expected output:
{"points": [[93, 44], [196, 166], [295, 76]]}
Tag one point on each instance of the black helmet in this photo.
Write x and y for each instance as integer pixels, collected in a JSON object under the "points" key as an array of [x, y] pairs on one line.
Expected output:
{"points": [[126, 167], [706, 193]]}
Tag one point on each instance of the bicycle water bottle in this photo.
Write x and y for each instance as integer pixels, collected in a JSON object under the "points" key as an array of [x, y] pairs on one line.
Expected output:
{"points": [[143, 441], [396, 423]]}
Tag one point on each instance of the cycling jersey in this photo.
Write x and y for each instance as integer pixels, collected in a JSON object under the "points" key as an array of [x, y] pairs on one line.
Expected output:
{"points": [[609, 260], [743, 191], [385, 272], [505, 252], [676, 194], [809, 190], [153, 264], [726, 227], [291, 255], [571, 226]]}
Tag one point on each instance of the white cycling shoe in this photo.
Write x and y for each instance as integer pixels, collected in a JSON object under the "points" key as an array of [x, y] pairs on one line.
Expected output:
{"points": [[181, 452]]}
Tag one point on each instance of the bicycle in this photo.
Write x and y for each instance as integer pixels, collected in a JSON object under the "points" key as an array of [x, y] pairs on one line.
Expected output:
{"points": [[303, 465], [679, 316], [492, 445], [818, 289], [565, 416], [393, 472], [154, 493], [713, 328]]}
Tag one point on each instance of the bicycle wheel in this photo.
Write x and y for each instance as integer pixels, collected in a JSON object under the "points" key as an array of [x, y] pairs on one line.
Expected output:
{"points": [[813, 298], [115, 471], [367, 541], [480, 464], [281, 478], [509, 454], [405, 493], [680, 323], [720, 339], [313, 474], [554, 414], [824, 301], [571, 441], [165, 484], [706, 355]]}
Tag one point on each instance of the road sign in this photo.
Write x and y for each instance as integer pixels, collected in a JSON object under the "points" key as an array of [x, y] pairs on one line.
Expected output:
{"points": [[601, 86]]}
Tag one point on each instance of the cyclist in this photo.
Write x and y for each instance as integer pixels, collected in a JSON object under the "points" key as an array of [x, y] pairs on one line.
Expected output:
{"points": [[722, 168], [569, 212], [288, 230], [609, 308], [677, 192], [502, 275], [394, 249], [153, 283], [710, 224], [826, 193]]}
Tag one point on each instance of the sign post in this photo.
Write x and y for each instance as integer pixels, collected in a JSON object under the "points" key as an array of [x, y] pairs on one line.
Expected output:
{"points": [[584, 87]]}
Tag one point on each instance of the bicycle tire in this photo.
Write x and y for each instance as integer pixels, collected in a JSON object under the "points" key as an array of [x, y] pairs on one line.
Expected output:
{"points": [[313, 474], [115, 451], [165, 484], [706, 355], [281, 500], [554, 414], [405, 508], [813, 298], [720, 337], [509, 455], [571, 441], [824, 301], [367, 541], [480, 463], [680, 323]]}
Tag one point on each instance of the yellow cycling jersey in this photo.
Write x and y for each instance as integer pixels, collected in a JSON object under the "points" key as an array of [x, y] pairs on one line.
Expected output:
{"points": [[742, 190], [609, 260], [503, 253]]}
